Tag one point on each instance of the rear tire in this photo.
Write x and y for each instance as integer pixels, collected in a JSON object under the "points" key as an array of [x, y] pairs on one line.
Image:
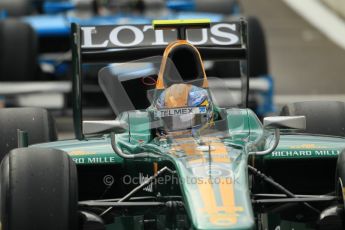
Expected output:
{"points": [[323, 117], [38, 190], [258, 59], [39, 124], [18, 56], [257, 55]]}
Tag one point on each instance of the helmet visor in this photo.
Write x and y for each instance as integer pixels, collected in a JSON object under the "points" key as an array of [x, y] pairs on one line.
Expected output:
{"points": [[179, 119]]}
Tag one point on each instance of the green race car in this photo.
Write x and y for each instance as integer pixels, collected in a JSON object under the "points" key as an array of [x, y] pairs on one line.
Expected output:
{"points": [[184, 152]]}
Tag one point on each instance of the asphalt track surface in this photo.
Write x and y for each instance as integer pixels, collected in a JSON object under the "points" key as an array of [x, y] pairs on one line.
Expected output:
{"points": [[305, 63]]}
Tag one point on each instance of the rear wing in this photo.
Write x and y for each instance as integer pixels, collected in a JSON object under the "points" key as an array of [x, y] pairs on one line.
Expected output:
{"points": [[123, 43]]}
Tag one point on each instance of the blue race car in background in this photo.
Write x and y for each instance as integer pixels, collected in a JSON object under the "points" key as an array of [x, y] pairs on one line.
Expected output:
{"points": [[44, 35]]}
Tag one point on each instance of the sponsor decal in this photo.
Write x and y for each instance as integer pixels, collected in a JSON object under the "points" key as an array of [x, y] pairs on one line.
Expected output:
{"points": [[305, 150], [80, 153], [304, 153], [122, 36], [308, 146], [95, 160], [180, 111]]}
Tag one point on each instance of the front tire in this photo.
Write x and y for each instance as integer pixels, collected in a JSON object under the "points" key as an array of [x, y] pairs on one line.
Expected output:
{"points": [[340, 178], [333, 217], [38, 190]]}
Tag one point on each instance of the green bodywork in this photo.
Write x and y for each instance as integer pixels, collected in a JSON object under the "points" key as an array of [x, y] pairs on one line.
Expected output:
{"points": [[207, 205], [244, 134]]}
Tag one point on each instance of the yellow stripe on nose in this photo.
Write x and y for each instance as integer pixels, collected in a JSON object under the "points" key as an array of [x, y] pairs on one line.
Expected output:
{"points": [[219, 214], [227, 193], [225, 214], [207, 195], [220, 153]]}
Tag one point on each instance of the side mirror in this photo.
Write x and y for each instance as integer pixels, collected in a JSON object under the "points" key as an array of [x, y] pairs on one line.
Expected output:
{"points": [[94, 127], [281, 122], [285, 122]]}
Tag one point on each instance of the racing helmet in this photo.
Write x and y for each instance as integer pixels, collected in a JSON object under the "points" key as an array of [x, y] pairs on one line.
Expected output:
{"points": [[184, 103], [183, 107]]}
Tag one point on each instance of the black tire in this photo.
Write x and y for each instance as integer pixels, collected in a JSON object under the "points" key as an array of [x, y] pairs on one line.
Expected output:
{"points": [[323, 117], [39, 124], [339, 188], [257, 55], [18, 56], [331, 218], [258, 59], [340, 178], [39, 190]]}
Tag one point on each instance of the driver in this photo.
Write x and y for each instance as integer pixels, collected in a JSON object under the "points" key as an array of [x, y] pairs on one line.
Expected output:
{"points": [[184, 107]]}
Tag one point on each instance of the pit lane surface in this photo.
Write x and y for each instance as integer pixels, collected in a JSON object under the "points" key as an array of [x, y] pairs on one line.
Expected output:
{"points": [[305, 64]]}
